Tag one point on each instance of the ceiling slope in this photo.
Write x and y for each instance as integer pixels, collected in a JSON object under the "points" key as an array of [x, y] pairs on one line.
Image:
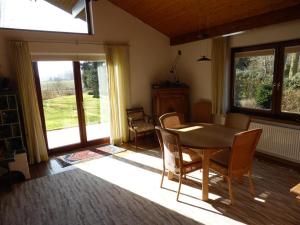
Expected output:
{"points": [[189, 20]]}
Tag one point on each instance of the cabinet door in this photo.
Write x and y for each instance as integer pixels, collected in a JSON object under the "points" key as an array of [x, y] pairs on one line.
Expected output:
{"points": [[173, 103]]}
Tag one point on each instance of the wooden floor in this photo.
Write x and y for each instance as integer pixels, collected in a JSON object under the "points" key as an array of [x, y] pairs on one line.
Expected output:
{"points": [[273, 204], [53, 167]]}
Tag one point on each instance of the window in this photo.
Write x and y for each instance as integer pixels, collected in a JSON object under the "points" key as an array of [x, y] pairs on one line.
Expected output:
{"points": [[46, 15], [254, 72], [265, 80], [291, 81]]}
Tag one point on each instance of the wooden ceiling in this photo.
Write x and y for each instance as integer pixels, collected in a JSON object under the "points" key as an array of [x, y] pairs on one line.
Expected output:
{"points": [[189, 20]]}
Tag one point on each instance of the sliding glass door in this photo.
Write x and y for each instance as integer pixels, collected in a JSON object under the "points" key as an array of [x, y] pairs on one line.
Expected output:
{"points": [[74, 102], [95, 99]]}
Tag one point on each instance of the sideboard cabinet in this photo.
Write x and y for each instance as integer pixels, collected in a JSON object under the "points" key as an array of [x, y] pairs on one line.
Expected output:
{"points": [[165, 100]]}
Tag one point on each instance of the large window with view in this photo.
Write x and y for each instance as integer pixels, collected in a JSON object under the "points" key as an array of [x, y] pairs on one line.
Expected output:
{"points": [[291, 81], [266, 80], [46, 15]]}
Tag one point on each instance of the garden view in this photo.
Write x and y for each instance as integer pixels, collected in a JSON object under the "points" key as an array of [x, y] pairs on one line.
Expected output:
{"points": [[59, 100], [254, 82], [60, 105]]}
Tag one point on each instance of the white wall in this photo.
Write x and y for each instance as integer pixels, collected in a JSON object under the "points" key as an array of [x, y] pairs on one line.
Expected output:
{"points": [[196, 74], [149, 49], [278, 32], [150, 53]]}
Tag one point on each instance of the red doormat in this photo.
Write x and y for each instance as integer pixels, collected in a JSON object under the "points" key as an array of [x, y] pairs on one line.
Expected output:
{"points": [[86, 155]]}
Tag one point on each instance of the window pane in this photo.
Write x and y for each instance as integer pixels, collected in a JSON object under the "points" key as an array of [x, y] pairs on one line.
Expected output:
{"points": [[45, 15], [59, 102], [95, 99], [253, 79], [291, 81]]}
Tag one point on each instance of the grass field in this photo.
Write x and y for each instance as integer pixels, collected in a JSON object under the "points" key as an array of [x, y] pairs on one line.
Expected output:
{"points": [[61, 112]]}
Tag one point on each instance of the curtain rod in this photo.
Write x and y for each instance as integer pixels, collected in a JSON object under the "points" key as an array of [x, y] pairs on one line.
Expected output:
{"points": [[78, 43]]}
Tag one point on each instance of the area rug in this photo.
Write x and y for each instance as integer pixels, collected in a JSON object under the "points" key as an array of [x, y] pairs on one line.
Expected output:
{"points": [[77, 197], [89, 154]]}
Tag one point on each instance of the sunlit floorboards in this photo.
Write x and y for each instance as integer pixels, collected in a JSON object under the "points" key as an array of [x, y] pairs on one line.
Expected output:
{"points": [[140, 173]]}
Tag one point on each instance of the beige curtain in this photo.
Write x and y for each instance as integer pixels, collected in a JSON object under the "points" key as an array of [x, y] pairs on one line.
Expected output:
{"points": [[117, 58], [21, 62], [219, 52]]}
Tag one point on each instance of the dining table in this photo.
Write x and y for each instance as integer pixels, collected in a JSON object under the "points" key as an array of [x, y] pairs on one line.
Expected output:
{"points": [[205, 139]]}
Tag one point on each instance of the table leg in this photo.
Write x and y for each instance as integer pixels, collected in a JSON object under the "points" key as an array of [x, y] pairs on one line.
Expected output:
{"points": [[205, 174]]}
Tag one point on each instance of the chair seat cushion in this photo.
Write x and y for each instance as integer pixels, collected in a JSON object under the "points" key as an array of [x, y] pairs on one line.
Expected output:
{"points": [[141, 126]]}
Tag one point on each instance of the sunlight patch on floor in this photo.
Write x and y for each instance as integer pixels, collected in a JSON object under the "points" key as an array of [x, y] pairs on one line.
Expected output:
{"points": [[145, 183], [260, 200]]}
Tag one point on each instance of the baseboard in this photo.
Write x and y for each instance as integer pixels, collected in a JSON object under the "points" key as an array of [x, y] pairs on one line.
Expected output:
{"points": [[277, 160]]}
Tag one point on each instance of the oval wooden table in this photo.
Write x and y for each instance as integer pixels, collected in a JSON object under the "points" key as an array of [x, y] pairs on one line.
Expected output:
{"points": [[205, 139]]}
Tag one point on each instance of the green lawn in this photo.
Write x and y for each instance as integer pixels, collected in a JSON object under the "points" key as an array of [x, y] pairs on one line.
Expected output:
{"points": [[61, 112]]}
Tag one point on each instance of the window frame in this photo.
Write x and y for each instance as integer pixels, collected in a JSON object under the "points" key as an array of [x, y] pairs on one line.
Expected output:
{"points": [[278, 76], [89, 20]]}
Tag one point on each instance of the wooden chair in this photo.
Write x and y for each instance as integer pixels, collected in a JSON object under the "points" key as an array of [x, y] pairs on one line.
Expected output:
{"points": [[237, 121], [202, 111], [171, 120], [174, 159], [138, 122], [237, 161]]}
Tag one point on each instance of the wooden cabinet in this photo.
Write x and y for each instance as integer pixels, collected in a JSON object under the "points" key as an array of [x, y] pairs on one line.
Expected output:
{"points": [[166, 100]]}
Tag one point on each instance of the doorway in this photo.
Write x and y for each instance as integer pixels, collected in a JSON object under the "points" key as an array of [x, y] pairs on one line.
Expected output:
{"points": [[74, 103]]}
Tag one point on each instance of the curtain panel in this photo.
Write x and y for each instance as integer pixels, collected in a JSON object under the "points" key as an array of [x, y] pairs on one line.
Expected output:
{"points": [[219, 54], [21, 62], [117, 58]]}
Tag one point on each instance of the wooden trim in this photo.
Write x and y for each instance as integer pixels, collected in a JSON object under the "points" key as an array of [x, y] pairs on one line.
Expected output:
{"points": [[283, 15], [72, 147], [275, 112], [89, 16], [79, 101], [40, 99]]}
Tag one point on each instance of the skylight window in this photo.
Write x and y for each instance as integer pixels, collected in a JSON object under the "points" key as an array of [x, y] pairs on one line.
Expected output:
{"points": [[45, 15]]}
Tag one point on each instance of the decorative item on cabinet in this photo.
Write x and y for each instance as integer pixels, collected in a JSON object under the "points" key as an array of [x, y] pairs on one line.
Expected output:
{"points": [[170, 98]]}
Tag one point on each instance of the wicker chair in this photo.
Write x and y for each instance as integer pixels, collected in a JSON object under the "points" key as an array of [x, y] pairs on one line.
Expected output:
{"points": [[237, 161], [173, 156], [202, 111], [139, 123], [171, 120], [175, 120], [237, 121]]}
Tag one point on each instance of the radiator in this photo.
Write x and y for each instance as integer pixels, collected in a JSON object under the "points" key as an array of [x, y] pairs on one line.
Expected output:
{"points": [[279, 141]]}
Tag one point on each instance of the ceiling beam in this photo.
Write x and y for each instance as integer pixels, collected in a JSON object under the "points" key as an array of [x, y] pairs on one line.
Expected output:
{"points": [[274, 17]]}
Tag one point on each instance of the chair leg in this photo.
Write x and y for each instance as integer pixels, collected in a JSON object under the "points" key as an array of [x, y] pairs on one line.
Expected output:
{"points": [[135, 139], [129, 136], [180, 181], [230, 190], [162, 177], [251, 186]]}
